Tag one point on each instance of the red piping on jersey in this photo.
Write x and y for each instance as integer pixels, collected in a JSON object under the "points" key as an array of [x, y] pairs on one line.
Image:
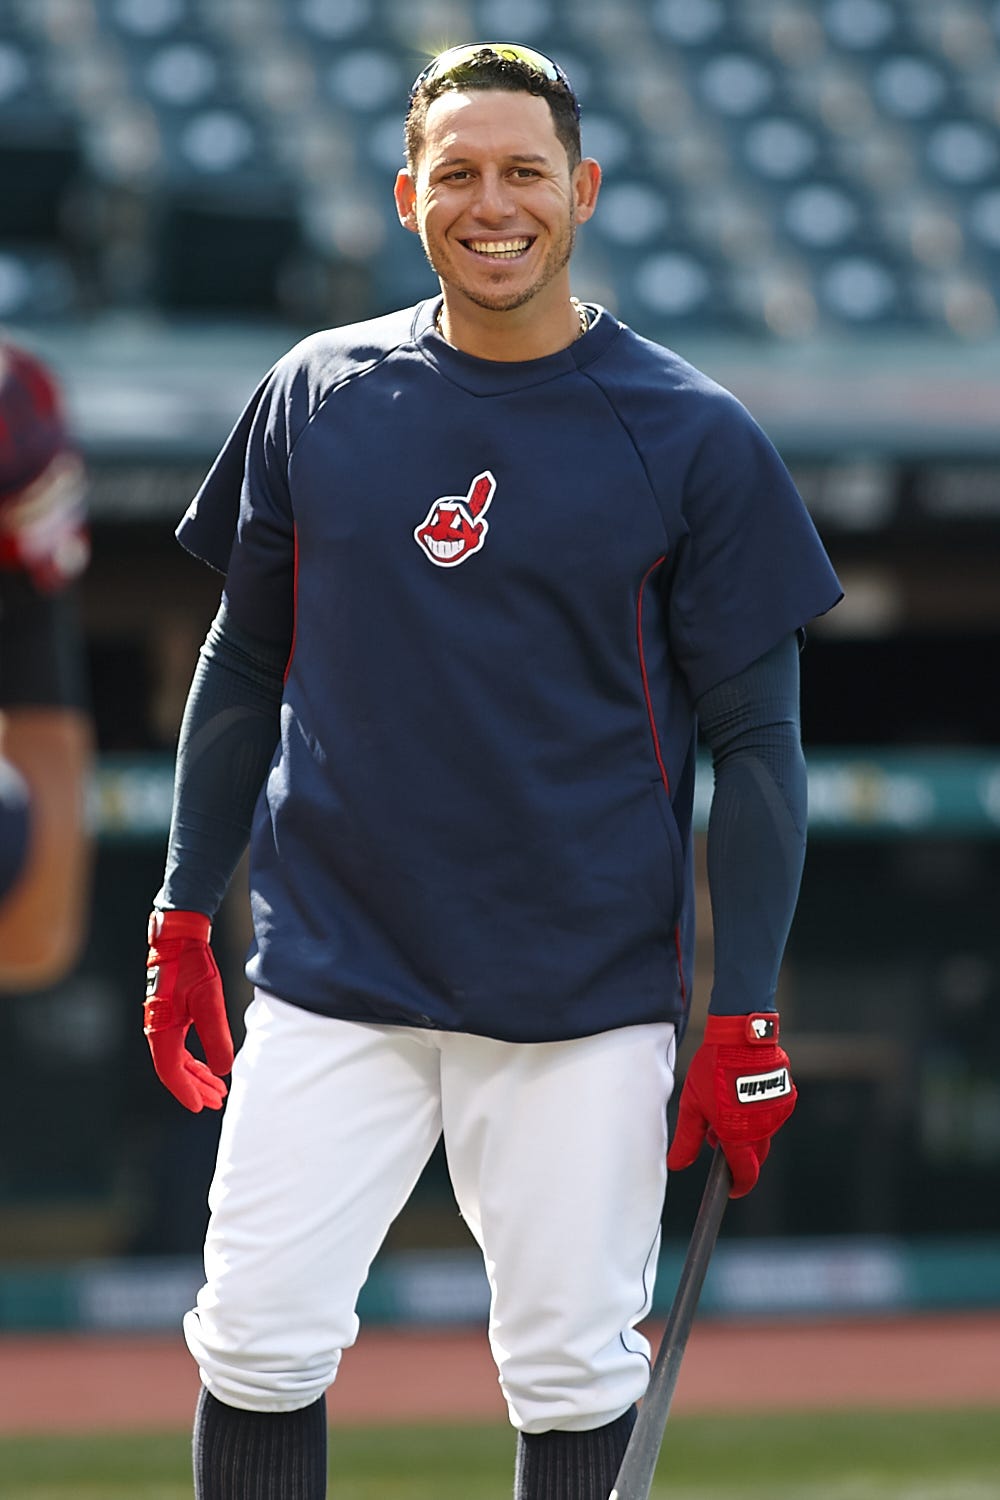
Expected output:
{"points": [[656, 740], [645, 677], [295, 599], [680, 965]]}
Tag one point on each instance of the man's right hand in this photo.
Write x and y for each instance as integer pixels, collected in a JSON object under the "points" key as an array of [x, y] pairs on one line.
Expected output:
{"points": [[183, 989]]}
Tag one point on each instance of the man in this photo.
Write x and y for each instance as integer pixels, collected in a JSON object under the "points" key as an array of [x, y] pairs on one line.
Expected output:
{"points": [[45, 728], [487, 562]]}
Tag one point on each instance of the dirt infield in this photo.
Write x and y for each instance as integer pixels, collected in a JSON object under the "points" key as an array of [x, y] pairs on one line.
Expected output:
{"points": [[90, 1383]]}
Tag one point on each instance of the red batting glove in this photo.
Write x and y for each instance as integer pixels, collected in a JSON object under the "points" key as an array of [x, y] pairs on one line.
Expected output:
{"points": [[183, 989], [737, 1093]]}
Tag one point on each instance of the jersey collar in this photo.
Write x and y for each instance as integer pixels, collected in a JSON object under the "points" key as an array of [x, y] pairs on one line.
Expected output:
{"points": [[488, 377]]}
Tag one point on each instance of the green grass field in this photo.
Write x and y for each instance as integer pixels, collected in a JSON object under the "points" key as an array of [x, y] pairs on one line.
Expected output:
{"points": [[840, 1456]]}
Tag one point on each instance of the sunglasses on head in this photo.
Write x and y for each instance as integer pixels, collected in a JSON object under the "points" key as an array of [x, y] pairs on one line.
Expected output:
{"points": [[452, 63]]}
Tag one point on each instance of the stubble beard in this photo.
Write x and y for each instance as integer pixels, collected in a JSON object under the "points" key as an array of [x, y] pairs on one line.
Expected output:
{"points": [[558, 258]]}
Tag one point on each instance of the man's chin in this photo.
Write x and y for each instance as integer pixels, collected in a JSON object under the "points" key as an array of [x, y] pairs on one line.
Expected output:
{"points": [[504, 301]]}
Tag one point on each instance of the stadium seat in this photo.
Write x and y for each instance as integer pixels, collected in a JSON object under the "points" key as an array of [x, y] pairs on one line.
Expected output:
{"points": [[37, 285], [982, 216], [366, 80], [691, 23], [962, 153], [863, 26], [334, 22], [149, 19], [907, 86], [381, 143], [862, 291], [634, 213], [529, 20], [737, 85], [780, 148], [821, 215]]}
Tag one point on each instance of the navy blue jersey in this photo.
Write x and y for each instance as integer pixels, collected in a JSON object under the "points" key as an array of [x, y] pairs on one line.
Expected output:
{"points": [[504, 586]]}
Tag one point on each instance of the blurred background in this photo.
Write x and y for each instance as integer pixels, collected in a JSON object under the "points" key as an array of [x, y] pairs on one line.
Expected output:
{"points": [[803, 198]]}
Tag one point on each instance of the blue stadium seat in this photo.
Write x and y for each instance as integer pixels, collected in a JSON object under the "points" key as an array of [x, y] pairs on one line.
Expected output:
{"points": [[37, 285], [862, 26], [531, 21], [737, 84], [820, 216], [189, 69], [908, 86], [634, 214], [982, 221], [366, 80], [332, 23], [380, 142], [672, 288], [780, 148], [691, 24], [606, 135], [862, 291], [22, 72], [149, 19], [962, 153]]}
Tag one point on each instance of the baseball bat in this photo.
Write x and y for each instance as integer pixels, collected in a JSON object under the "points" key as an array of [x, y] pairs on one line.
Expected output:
{"points": [[635, 1477]]}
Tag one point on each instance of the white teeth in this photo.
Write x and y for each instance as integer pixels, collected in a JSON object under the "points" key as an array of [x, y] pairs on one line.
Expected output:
{"points": [[444, 549], [498, 247]]}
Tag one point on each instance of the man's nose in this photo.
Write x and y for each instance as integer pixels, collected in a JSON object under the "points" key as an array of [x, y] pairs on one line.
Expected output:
{"points": [[494, 200]]}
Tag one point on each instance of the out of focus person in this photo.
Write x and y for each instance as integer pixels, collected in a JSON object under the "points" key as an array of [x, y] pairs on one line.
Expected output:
{"points": [[46, 734]]}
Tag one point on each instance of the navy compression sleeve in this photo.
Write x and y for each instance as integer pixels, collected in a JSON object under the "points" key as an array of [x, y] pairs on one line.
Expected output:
{"points": [[227, 739], [756, 827]]}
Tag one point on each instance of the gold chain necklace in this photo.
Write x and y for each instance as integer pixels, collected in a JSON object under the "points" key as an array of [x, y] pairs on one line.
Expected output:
{"points": [[583, 318], [582, 314]]}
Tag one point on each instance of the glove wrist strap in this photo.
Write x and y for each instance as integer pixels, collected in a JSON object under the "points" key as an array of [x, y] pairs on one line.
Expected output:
{"points": [[760, 1028]]}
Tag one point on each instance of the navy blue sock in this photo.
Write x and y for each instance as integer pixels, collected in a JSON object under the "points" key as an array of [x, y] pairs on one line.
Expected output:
{"points": [[571, 1465], [253, 1455]]}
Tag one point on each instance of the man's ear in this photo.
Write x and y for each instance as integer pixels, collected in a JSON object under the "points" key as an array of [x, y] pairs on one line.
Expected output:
{"points": [[405, 194], [586, 186]]}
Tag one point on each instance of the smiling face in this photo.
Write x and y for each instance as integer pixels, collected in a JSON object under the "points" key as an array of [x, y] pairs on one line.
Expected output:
{"points": [[496, 204]]}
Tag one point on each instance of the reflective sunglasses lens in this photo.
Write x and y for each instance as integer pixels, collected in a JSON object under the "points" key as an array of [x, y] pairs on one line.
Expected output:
{"points": [[456, 58]]}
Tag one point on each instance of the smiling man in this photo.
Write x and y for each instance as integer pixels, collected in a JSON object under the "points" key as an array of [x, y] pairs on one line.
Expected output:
{"points": [[495, 187], [489, 563]]}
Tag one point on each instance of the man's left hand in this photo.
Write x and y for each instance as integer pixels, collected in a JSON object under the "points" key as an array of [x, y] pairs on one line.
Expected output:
{"points": [[737, 1093]]}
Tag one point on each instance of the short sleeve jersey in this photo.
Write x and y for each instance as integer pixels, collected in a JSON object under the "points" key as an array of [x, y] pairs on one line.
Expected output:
{"points": [[504, 588]]}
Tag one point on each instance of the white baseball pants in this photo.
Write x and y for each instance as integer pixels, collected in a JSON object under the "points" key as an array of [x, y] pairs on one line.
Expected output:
{"points": [[557, 1156]]}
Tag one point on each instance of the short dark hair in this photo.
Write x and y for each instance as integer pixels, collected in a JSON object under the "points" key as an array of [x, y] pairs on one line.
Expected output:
{"points": [[487, 70]]}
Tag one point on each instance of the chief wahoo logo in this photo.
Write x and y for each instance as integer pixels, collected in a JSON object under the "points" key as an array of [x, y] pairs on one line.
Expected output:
{"points": [[455, 527]]}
